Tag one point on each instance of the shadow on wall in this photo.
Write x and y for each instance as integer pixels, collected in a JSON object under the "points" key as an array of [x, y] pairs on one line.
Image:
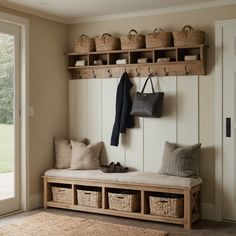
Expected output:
{"points": [[168, 101], [104, 158], [207, 172], [217, 55]]}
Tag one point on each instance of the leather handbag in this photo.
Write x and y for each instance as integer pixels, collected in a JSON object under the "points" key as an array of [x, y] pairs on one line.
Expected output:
{"points": [[148, 104]]}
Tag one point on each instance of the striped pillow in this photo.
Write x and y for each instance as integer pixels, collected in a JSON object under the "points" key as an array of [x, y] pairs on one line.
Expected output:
{"points": [[180, 161]]}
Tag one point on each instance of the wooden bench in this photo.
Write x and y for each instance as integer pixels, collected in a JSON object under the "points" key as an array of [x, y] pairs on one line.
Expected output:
{"points": [[142, 182]]}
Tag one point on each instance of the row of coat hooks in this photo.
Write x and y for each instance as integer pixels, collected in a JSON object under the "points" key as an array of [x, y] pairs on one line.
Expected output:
{"points": [[137, 72], [109, 71]]}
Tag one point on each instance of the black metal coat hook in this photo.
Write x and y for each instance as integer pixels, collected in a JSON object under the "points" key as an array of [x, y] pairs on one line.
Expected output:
{"points": [[166, 72], [138, 74], [94, 75], [109, 73], [186, 71], [149, 70]]}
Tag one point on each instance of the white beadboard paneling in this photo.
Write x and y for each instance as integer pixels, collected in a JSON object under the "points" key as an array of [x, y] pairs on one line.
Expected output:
{"points": [[92, 114], [110, 153], [134, 137], [159, 130], [187, 109], [77, 109], [94, 110]]}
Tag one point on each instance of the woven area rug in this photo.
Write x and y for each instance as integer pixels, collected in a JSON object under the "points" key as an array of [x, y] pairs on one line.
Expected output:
{"points": [[48, 224]]}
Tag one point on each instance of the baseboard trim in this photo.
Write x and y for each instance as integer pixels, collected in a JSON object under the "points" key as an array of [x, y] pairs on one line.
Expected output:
{"points": [[208, 211], [36, 201]]}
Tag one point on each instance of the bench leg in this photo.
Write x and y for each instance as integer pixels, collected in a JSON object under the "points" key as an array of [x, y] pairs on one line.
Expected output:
{"points": [[187, 209], [45, 194]]}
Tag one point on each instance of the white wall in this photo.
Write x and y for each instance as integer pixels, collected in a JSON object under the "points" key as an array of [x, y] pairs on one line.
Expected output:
{"points": [[92, 114]]}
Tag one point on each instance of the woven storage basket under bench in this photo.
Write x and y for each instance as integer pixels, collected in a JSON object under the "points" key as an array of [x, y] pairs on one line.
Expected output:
{"points": [[89, 198], [139, 195]]}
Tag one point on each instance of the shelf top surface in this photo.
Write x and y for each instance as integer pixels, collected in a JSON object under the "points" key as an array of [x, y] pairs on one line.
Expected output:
{"points": [[135, 50], [130, 65]]}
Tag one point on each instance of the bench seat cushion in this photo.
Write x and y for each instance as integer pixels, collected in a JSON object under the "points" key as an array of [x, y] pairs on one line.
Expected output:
{"points": [[135, 177]]}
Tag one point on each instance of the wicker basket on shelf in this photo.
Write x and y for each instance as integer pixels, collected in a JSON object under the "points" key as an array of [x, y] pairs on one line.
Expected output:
{"points": [[188, 36], [159, 38], [129, 202], [166, 206], [62, 195], [84, 44], [132, 41], [107, 43], [89, 198]]}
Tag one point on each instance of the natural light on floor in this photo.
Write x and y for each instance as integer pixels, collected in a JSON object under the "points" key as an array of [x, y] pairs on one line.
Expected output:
{"points": [[6, 161]]}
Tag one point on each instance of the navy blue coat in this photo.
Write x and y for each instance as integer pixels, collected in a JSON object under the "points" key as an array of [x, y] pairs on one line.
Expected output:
{"points": [[123, 119]]}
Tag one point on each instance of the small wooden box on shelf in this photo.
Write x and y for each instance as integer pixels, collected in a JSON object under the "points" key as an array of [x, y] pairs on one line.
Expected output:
{"points": [[169, 61]]}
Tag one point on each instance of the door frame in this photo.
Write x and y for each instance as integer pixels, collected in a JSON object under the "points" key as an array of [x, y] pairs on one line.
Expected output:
{"points": [[12, 203], [219, 25], [23, 23]]}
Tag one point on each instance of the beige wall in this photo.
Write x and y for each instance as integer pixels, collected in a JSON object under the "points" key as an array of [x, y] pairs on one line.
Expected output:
{"points": [[200, 19], [47, 93]]}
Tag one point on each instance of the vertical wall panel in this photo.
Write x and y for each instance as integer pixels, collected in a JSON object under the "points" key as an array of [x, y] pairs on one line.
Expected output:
{"points": [[159, 130], [134, 138], [187, 109], [110, 153], [92, 114], [77, 109], [94, 110]]}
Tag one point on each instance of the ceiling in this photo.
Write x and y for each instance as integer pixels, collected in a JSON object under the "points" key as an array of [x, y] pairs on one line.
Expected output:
{"points": [[69, 11]]}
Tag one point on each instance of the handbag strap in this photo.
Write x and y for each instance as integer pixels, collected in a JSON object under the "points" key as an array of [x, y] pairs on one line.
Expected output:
{"points": [[149, 77]]}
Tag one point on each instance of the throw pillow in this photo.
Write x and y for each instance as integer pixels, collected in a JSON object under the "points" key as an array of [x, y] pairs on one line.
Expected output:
{"points": [[62, 153], [179, 160], [85, 157]]}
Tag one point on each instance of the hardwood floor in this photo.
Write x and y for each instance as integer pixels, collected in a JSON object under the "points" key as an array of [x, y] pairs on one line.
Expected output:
{"points": [[202, 227]]}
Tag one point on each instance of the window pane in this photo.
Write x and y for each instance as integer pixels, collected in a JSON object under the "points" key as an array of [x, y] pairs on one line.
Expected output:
{"points": [[7, 160]]}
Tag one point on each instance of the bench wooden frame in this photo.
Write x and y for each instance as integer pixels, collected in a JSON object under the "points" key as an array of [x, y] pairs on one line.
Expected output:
{"points": [[191, 199]]}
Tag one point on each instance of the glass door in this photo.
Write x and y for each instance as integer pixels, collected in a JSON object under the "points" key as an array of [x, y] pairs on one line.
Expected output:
{"points": [[9, 118]]}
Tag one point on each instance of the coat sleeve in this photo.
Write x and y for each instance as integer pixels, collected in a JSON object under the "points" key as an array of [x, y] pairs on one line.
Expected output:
{"points": [[119, 102], [127, 120]]}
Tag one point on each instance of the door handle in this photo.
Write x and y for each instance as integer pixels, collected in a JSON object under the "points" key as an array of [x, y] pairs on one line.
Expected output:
{"points": [[228, 127]]}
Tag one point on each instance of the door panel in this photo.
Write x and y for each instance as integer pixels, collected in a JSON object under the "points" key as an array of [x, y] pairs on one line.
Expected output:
{"points": [[9, 118], [229, 122]]}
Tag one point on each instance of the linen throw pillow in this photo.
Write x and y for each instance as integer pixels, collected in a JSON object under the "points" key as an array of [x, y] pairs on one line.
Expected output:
{"points": [[180, 161], [85, 157], [62, 153]]}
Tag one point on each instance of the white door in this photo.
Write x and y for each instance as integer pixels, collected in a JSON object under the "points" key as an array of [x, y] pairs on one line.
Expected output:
{"points": [[229, 123], [9, 118]]}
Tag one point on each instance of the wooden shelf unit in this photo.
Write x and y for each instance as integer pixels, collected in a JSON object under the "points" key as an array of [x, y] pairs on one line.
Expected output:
{"points": [[176, 67], [191, 199]]}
